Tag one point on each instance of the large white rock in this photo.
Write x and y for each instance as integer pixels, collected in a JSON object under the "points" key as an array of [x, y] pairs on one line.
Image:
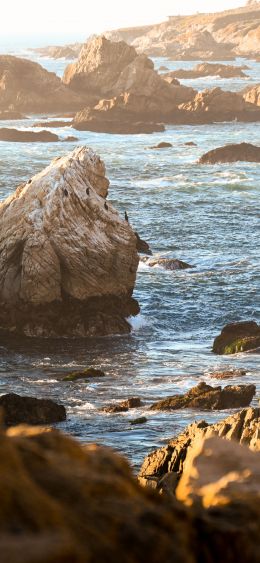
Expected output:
{"points": [[61, 242]]}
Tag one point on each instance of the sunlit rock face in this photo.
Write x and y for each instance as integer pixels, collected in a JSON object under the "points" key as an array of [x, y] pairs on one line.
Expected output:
{"points": [[68, 261]]}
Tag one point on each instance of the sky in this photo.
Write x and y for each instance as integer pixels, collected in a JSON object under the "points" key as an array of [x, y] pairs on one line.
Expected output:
{"points": [[60, 17]]}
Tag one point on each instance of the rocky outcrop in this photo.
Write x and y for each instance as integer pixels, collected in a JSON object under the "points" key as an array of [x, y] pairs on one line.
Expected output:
{"points": [[166, 263], [124, 406], [237, 337], [83, 504], [204, 396], [142, 246], [242, 427], [27, 87], [29, 410], [215, 105], [69, 52], [252, 95], [244, 152], [209, 69], [67, 260], [228, 373], [18, 136]]}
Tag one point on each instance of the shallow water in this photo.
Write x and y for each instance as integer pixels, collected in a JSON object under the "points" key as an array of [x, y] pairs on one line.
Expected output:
{"points": [[205, 215]]}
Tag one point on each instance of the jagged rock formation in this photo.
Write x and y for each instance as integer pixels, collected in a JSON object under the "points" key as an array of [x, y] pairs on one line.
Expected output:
{"points": [[212, 36], [82, 504], [242, 427], [27, 87], [204, 396], [210, 69], [67, 260], [237, 337], [126, 93], [212, 105], [30, 410], [232, 153], [252, 95]]}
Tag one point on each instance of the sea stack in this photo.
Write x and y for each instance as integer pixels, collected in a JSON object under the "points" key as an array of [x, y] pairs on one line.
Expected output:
{"points": [[67, 265]]}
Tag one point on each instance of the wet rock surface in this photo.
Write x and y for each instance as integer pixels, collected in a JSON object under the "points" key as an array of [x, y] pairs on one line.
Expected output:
{"points": [[237, 337], [30, 410], [124, 406], [232, 153], [166, 263], [88, 373], [205, 396]]}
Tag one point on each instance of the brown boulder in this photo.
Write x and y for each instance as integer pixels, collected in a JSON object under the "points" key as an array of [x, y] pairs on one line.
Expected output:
{"points": [[242, 427], [204, 396], [27, 87], [88, 373], [244, 152], [17, 136], [237, 337], [162, 145], [29, 410], [228, 373], [124, 406]]}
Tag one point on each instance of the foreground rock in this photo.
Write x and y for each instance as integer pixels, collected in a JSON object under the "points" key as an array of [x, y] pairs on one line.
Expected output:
{"points": [[242, 427], [244, 152], [27, 87], [16, 136], [67, 260], [166, 263], [209, 69], [204, 396], [68, 503], [29, 410], [216, 105], [88, 373], [124, 406], [237, 337]]}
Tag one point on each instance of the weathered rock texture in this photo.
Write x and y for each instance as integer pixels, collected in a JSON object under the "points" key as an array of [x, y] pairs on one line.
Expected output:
{"points": [[29, 410], [237, 337], [26, 86], [64, 503], [67, 260], [232, 153], [206, 397], [252, 95], [244, 427]]}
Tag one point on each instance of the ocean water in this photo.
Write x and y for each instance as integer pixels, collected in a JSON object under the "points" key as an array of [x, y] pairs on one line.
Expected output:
{"points": [[205, 215]]}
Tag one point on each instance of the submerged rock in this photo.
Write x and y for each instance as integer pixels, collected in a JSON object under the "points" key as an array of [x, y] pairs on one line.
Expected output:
{"points": [[237, 337], [17, 136], [124, 406], [232, 153], [242, 427], [203, 396], [140, 420], [162, 145], [68, 261], [166, 263], [87, 373], [29, 410]]}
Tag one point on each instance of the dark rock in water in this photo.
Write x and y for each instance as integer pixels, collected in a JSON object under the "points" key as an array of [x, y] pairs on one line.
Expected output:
{"points": [[204, 396], [70, 139], [227, 374], [9, 115], [29, 410], [190, 144], [53, 123], [140, 420], [244, 152], [16, 136], [162, 145], [142, 246], [87, 373], [166, 263], [237, 337], [242, 426], [124, 406]]}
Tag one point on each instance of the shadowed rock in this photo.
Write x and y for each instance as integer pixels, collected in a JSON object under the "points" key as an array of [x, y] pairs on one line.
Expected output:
{"points": [[29, 410], [124, 406], [244, 152], [237, 337], [88, 373], [68, 265]]}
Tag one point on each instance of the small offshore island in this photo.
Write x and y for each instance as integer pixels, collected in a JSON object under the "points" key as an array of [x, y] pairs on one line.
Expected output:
{"points": [[129, 289]]}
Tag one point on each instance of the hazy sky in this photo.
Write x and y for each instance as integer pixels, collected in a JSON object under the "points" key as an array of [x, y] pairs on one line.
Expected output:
{"points": [[85, 16]]}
